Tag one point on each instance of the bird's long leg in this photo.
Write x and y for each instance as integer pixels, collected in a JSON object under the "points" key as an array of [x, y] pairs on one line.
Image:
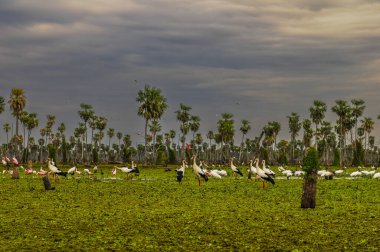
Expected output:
{"points": [[199, 181], [264, 184]]}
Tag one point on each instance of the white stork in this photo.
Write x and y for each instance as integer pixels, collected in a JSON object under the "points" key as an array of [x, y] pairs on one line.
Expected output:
{"points": [[234, 168], [264, 176], [198, 171], [181, 171]]}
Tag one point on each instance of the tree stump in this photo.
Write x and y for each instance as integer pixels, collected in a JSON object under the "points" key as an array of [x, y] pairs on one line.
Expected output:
{"points": [[309, 191], [47, 183], [310, 166], [15, 174]]}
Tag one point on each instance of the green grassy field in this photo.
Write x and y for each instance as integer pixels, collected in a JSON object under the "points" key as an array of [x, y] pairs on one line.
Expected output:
{"points": [[153, 212]]}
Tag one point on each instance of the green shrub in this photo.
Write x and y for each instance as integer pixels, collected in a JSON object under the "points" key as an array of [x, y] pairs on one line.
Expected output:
{"points": [[311, 161]]}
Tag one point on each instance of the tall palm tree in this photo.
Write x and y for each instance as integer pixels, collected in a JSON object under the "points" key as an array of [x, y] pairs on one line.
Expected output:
{"points": [[31, 123], [226, 130], [61, 128], [276, 127], [317, 114], [86, 114], [110, 134], [152, 105], [24, 117], [194, 124], [172, 135], [307, 133], [49, 125], [357, 111], [7, 128], [367, 125], [154, 128], [294, 128], [183, 116], [342, 109], [79, 134], [244, 128], [210, 136], [101, 124], [325, 131], [198, 140], [17, 103]]}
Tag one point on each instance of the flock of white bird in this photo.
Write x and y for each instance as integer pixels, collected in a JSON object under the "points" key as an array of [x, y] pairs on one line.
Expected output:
{"points": [[202, 171], [55, 171], [264, 172]]}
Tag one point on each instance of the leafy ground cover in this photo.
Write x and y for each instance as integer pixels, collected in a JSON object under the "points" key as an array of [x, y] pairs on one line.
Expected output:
{"points": [[152, 212]]}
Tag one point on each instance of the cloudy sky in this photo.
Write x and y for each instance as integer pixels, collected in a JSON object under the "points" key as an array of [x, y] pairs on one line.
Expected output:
{"points": [[257, 59]]}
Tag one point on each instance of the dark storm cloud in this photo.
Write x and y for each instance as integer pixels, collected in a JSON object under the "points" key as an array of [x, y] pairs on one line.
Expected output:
{"points": [[259, 60]]}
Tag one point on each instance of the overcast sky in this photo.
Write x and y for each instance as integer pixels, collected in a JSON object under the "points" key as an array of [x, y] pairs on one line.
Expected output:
{"points": [[259, 60]]}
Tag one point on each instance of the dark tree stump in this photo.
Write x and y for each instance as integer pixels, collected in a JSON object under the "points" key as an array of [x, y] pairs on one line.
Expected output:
{"points": [[309, 191], [47, 183], [15, 174]]}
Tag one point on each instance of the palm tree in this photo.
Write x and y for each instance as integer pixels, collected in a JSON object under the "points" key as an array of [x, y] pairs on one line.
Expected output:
{"points": [[367, 125], [101, 124], [276, 127], [61, 128], [86, 114], [294, 127], [342, 109], [31, 123], [210, 136], [152, 105], [307, 133], [317, 114], [119, 136], [226, 130], [194, 124], [79, 134], [357, 111], [244, 128], [24, 117], [110, 134], [17, 103], [154, 128], [41, 143], [325, 131], [7, 128], [49, 125], [198, 140], [183, 117]]}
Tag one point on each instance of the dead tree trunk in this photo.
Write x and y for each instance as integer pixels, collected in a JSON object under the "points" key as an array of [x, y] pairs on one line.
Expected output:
{"points": [[15, 174], [309, 191], [47, 183]]}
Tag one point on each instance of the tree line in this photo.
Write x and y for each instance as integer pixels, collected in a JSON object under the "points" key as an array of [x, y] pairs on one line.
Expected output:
{"points": [[347, 141]]}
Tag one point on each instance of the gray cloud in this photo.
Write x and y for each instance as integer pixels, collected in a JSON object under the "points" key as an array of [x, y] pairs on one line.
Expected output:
{"points": [[274, 57]]}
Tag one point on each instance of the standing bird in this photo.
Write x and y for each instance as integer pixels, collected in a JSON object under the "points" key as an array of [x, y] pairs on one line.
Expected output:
{"points": [[264, 176], [198, 171], [181, 171], [53, 169], [234, 168], [251, 169], [267, 170]]}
